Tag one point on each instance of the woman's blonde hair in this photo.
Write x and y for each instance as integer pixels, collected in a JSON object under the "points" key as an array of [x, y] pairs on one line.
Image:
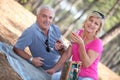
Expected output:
{"points": [[97, 15]]}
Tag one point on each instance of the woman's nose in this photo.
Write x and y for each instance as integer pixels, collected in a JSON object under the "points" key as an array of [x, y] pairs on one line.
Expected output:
{"points": [[92, 23]]}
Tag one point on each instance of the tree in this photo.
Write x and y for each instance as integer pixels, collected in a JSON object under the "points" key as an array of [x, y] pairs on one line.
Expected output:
{"points": [[15, 20], [112, 33], [113, 9], [111, 48]]}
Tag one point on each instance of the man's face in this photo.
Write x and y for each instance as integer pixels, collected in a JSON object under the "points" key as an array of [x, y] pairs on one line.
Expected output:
{"points": [[45, 18]]}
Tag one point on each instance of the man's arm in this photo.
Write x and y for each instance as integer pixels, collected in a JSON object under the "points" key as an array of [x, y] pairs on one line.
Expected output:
{"points": [[64, 57], [36, 61], [21, 53]]}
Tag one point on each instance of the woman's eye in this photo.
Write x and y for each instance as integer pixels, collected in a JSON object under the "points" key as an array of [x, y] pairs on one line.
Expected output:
{"points": [[91, 20], [96, 23]]}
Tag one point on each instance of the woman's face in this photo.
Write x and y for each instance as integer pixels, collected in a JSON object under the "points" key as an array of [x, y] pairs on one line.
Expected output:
{"points": [[45, 18], [92, 25]]}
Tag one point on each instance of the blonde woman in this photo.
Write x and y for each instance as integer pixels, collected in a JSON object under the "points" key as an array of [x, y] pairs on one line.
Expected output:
{"points": [[87, 47]]}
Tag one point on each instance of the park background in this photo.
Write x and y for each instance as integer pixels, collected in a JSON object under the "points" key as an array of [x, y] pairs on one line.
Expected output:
{"points": [[17, 15]]}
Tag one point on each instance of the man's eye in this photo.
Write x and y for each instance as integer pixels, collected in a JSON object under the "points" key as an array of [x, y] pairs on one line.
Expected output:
{"points": [[43, 16], [50, 17]]}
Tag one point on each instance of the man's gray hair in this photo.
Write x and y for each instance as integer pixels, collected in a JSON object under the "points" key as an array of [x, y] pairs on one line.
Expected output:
{"points": [[45, 7]]}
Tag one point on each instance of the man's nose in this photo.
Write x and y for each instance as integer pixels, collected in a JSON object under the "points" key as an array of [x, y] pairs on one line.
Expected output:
{"points": [[48, 19]]}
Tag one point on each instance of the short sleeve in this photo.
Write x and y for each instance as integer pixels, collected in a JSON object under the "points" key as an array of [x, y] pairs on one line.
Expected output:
{"points": [[97, 46], [24, 40]]}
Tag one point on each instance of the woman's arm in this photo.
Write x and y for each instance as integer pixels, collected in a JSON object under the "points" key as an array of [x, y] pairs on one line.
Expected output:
{"points": [[87, 58]]}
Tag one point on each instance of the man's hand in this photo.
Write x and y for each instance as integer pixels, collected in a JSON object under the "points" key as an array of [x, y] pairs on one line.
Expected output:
{"points": [[37, 61], [51, 71]]}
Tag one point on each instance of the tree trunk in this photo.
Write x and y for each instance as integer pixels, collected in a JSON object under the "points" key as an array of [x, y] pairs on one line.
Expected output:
{"points": [[6, 72], [13, 20], [113, 9], [112, 33], [65, 15]]}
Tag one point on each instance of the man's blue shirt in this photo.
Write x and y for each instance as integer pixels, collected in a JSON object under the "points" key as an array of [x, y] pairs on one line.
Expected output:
{"points": [[34, 38]]}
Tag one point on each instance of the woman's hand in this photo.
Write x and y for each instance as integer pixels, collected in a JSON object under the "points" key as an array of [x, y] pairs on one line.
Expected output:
{"points": [[76, 38]]}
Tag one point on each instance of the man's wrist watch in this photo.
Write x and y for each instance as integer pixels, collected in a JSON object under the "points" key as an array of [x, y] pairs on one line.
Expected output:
{"points": [[30, 60]]}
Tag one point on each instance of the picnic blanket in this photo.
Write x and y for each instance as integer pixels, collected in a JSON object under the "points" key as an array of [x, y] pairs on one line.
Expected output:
{"points": [[22, 67]]}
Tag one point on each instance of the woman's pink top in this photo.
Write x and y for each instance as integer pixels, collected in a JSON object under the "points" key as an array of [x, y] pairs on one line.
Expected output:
{"points": [[95, 45]]}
